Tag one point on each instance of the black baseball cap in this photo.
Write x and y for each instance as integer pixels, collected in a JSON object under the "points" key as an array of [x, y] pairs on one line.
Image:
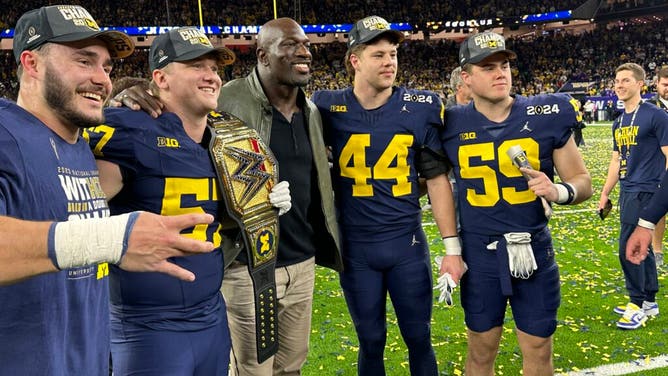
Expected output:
{"points": [[65, 23], [182, 44], [370, 28], [479, 46]]}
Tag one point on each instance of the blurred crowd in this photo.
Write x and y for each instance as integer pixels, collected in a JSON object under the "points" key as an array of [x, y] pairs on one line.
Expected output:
{"points": [[546, 61], [257, 12]]}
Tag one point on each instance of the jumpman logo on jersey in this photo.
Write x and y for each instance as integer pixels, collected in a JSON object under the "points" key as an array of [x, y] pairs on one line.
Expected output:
{"points": [[526, 128], [404, 109], [414, 241]]}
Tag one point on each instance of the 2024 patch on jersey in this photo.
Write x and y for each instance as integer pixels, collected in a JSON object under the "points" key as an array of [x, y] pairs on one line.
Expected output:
{"points": [[374, 158]]}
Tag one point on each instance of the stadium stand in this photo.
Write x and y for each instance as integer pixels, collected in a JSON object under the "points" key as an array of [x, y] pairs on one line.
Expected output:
{"points": [[257, 12], [550, 58]]}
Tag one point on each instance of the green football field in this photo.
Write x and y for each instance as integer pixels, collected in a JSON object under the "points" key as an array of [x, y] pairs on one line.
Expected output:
{"points": [[592, 284]]}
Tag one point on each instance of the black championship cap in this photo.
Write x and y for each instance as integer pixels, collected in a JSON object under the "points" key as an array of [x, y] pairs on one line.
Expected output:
{"points": [[182, 44], [479, 46], [65, 23], [370, 28]]}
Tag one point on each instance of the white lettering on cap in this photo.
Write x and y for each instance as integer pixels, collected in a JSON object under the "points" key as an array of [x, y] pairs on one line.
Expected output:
{"points": [[194, 36], [375, 23], [79, 16], [494, 41]]}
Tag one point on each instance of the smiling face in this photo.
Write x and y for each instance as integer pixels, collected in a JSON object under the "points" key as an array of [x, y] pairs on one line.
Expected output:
{"points": [[284, 50], [76, 81], [376, 65], [627, 86], [192, 85]]}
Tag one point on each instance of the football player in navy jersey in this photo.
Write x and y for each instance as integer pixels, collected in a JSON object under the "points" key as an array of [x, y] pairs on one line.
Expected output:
{"points": [[160, 325], [384, 138], [638, 161], [55, 292], [503, 215]]}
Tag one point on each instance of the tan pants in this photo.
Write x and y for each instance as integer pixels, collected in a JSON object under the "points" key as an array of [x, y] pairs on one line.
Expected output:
{"points": [[294, 289]]}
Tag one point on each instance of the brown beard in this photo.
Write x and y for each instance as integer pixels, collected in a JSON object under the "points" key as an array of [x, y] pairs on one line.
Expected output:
{"points": [[61, 101]]}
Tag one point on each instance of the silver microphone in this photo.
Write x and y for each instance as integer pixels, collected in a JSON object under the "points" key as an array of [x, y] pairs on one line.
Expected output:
{"points": [[519, 158]]}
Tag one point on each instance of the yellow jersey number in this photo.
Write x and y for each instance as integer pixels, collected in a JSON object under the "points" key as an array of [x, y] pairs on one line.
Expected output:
{"points": [[106, 131], [204, 189], [353, 165], [493, 192]]}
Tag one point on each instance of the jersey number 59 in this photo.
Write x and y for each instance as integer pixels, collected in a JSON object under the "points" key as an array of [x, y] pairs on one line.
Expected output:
{"points": [[493, 191]]}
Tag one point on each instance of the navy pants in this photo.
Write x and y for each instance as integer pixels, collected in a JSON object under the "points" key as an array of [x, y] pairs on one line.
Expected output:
{"points": [[141, 351], [488, 288], [400, 267], [641, 280]]}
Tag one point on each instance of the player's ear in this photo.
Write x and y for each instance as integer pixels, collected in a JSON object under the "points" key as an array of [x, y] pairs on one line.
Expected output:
{"points": [[160, 78], [466, 77], [30, 62], [354, 61]]}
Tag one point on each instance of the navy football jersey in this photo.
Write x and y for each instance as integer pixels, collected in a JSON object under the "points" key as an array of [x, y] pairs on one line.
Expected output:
{"points": [[374, 176], [164, 172], [494, 197], [638, 137], [57, 323]]}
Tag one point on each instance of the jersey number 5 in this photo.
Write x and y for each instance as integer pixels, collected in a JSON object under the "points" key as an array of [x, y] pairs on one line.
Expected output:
{"points": [[492, 192], [352, 163], [202, 189]]}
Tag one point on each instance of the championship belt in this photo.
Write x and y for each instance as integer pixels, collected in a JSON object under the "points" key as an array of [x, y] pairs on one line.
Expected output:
{"points": [[247, 170]]}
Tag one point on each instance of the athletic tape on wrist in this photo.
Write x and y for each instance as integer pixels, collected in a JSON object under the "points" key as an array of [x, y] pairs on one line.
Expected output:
{"points": [[566, 193], [77, 243], [452, 245], [646, 224]]}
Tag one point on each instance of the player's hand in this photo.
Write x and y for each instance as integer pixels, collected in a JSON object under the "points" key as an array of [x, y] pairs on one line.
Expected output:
{"points": [[156, 238], [637, 247], [446, 283], [454, 265], [540, 184], [137, 98]]}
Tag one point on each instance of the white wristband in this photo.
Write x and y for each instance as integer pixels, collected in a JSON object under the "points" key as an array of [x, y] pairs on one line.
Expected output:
{"points": [[91, 241], [646, 224], [565, 193], [562, 193], [452, 245]]}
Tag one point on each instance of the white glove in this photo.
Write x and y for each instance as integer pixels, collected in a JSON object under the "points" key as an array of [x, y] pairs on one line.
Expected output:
{"points": [[445, 284], [279, 197], [521, 260]]}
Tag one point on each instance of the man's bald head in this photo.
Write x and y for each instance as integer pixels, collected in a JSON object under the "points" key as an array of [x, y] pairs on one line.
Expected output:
{"points": [[283, 54], [274, 29]]}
